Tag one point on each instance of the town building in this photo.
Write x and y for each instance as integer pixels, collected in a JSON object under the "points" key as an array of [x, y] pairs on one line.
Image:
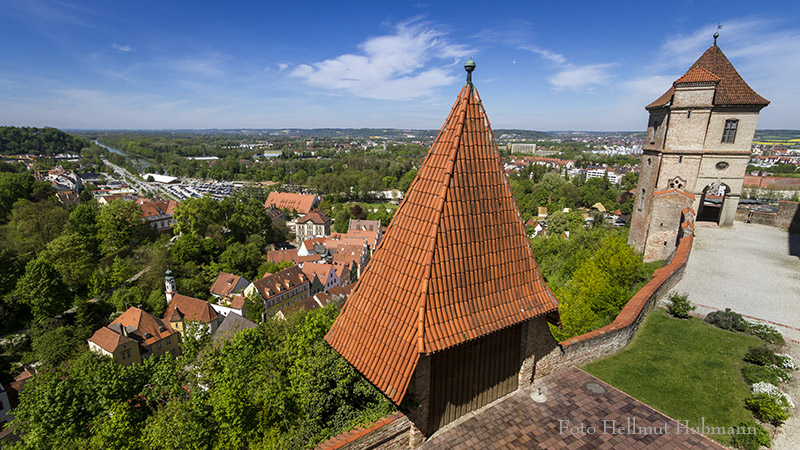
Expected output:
{"points": [[299, 203], [135, 336], [695, 155], [285, 286], [314, 224], [369, 225], [227, 284], [183, 310], [158, 213], [323, 276], [452, 310]]}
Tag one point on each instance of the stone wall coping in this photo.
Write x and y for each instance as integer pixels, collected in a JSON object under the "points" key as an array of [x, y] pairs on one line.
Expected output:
{"points": [[633, 309], [340, 440]]}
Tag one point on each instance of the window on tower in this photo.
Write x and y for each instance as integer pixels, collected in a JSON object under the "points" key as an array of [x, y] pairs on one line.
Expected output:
{"points": [[729, 133]]}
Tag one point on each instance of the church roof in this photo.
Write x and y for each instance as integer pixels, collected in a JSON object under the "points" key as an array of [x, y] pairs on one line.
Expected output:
{"points": [[454, 265], [732, 90]]}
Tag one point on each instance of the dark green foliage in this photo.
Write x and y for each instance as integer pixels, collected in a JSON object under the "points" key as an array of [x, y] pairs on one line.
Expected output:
{"points": [[750, 436], [13, 186], [42, 290], [769, 374], [679, 305], [253, 307], [763, 356], [769, 408], [727, 320], [766, 333], [39, 141], [54, 344], [599, 287]]}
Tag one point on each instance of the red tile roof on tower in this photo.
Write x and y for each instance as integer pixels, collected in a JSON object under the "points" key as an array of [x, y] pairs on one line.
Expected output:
{"points": [[302, 203], [732, 90], [189, 308], [454, 265]]}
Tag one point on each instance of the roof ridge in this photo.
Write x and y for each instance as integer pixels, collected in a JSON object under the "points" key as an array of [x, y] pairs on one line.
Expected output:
{"points": [[461, 118]]}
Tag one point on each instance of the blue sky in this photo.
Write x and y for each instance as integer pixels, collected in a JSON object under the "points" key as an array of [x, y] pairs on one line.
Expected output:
{"points": [[540, 65]]}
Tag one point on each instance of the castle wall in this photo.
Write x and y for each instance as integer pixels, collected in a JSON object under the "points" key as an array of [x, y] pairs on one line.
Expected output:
{"points": [[745, 130], [687, 130]]}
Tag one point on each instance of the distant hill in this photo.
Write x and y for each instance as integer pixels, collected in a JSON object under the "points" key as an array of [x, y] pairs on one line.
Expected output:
{"points": [[39, 141]]}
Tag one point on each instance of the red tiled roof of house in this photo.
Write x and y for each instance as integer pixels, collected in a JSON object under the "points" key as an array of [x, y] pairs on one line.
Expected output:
{"points": [[108, 339], [225, 284], [368, 236], [302, 203], [315, 216], [454, 265], [153, 208], [732, 90], [237, 301], [143, 324], [274, 283], [184, 307], [277, 256], [321, 270]]}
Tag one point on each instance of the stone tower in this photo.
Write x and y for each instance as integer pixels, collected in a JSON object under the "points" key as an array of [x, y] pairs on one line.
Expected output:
{"points": [[169, 282], [695, 154]]}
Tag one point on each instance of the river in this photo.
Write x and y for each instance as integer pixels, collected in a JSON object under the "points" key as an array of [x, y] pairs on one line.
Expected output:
{"points": [[139, 163]]}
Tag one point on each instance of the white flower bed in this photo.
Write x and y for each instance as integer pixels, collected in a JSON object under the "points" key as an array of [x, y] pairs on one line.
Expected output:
{"points": [[771, 390], [788, 362]]}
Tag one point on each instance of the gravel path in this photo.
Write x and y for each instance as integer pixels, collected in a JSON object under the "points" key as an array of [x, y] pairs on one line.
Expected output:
{"points": [[788, 437], [748, 268]]}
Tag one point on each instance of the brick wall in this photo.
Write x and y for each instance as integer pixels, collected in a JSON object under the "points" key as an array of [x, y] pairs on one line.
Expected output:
{"points": [[388, 433], [787, 218]]}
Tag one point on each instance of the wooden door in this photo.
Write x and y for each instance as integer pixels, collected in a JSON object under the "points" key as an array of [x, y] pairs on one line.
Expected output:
{"points": [[469, 376]]}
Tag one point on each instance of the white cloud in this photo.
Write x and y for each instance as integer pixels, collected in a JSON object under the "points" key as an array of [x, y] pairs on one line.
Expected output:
{"points": [[579, 78], [395, 66], [283, 66], [546, 54], [122, 48]]}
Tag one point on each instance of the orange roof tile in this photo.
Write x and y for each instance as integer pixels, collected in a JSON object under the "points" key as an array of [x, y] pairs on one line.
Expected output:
{"points": [[190, 308], [732, 90], [321, 270], [371, 225], [698, 74], [454, 265], [315, 216], [274, 283], [142, 325], [108, 339], [302, 203], [225, 284]]}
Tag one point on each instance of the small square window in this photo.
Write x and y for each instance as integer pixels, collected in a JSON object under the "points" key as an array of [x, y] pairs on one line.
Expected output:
{"points": [[729, 133]]}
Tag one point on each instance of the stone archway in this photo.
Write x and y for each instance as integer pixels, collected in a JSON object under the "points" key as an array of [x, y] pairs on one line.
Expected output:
{"points": [[712, 201]]}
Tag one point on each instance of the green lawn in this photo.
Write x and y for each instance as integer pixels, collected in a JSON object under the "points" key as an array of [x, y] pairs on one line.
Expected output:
{"points": [[686, 369]]}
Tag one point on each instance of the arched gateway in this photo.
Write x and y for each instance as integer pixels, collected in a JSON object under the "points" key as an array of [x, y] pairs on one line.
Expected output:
{"points": [[698, 138], [452, 310]]}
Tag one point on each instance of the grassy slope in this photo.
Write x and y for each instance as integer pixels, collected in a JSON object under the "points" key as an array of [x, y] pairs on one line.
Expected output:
{"points": [[686, 369]]}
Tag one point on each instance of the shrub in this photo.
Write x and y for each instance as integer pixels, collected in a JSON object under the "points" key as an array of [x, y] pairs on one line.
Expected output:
{"points": [[770, 408], [679, 305], [766, 333], [768, 374], [751, 436], [763, 356], [727, 320]]}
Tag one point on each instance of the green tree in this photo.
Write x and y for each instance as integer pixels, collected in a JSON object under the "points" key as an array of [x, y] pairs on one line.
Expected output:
{"points": [[13, 187], [195, 215], [73, 255], [241, 259], [253, 307], [120, 223], [34, 224], [41, 288], [52, 346], [83, 220]]}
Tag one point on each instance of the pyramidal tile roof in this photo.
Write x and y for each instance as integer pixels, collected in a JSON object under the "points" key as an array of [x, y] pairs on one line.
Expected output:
{"points": [[454, 265], [732, 90]]}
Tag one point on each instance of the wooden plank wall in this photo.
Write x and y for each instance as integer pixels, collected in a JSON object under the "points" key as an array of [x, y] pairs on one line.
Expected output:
{"points": [[472, 375]]}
